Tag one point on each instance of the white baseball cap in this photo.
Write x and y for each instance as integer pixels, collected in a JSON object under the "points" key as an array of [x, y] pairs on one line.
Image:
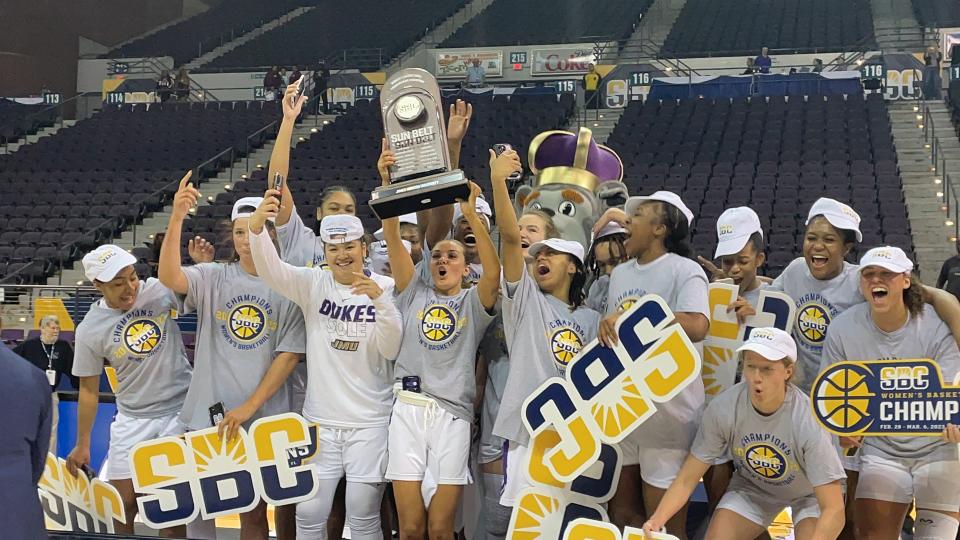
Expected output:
{"points": [[668, 197], [242, 204], [340, 229], [838, 214], [770, 343], [735, 226], [570, 247], [105, 262], [379, 257], [483, 208], [610, 229], [406, 218], [889, 257]]}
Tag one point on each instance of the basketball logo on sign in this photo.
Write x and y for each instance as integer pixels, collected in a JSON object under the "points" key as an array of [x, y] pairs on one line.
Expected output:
{"points": [[812, 322], [565, 344], [141, 336], [841, 398], [766, 461], [627, 304], [438, 323], [247, 322]]}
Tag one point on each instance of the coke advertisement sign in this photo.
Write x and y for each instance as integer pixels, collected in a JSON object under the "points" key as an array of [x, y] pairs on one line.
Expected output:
{"points": [[561, 61]]}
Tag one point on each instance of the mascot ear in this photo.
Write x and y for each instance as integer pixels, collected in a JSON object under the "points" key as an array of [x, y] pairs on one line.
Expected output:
{"points": [[522, 196], [611, 194]]}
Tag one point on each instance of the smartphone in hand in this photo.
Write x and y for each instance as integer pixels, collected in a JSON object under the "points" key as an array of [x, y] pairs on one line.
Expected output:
{"points": [[294, 96], [278, 182], [500, 148]]}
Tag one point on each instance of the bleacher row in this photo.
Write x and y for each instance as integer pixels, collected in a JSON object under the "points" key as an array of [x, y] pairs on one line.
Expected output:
{"points": [[88, 183], [18, 120], [937, 13], [776, 156]]}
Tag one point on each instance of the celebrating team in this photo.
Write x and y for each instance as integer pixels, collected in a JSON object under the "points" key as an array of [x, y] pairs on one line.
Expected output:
{"points": [[393, 345]]}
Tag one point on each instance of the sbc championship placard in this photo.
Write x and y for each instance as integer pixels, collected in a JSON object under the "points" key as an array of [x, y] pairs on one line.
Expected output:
{"points": [[77, 503], [885, 397], [575, 424]]}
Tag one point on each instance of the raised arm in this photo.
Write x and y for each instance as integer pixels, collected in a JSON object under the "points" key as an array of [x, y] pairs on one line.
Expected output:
{"points": [[434, 224], [489, 282], [280, 157], [401, 263], [293, 282], [511, 253], [947, 307], [169, 269]]}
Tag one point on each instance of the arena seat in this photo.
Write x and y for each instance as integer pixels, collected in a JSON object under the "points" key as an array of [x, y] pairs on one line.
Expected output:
{"points": [[88, 183], [18, 120], [743, 27], [346, 153], [206, 31], [777, 156], [390, 26], [937, 13], [530, 22]]}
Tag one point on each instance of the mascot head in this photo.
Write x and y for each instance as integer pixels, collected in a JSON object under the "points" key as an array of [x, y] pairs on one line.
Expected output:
{"points": [[576, 180]]}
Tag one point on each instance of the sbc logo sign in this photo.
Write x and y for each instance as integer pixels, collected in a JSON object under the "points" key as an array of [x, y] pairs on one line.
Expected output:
{"points": [[885, 397], [774, 309], [575, 422], [76, 503], [201, 474]]}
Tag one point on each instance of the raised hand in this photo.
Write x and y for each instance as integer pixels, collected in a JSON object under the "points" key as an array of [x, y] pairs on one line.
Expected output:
{"points": [[460, 114], [715, 273], [268, 209], [742, 307], [504, 165], [185, 198], [469, 206], [614, 215], [387, 159], [200, 250], [291, 109], [362, 284]]}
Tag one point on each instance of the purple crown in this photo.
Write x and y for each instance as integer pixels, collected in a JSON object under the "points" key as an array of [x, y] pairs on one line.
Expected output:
{"points": [[576, 158]]}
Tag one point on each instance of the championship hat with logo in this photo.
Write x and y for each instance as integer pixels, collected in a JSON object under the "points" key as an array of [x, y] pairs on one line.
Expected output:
{"points": [[735, 226], [340, 229], [410, 218], [569, 247], [668, 197], [770, 343], [838, 214], [483, 208], [105, 262], [245, 207], [888, 257]]}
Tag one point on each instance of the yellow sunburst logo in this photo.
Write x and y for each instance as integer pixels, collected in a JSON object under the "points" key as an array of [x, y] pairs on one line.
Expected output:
{"points": [[714, 358], [565, 344], [141, 336], [247, 322], [438, 323], [813, 321], [537, 517], [618, 411], [214, 455], [766, 461]]}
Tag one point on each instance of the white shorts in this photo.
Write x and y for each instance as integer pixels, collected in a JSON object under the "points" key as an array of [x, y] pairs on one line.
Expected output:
{"points": [[934, 485], [358, 453], [659, 467], [515, 475], [763, 511], [426, 436], [127, 432]]}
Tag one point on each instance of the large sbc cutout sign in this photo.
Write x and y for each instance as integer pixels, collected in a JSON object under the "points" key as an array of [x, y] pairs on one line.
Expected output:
{"points": [[76, 503], [575, 423], [885, 397], [200, 474], [774, 309]]}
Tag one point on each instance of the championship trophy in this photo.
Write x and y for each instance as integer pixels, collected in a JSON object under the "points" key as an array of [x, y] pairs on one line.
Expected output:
{"points": [[415, 130]]}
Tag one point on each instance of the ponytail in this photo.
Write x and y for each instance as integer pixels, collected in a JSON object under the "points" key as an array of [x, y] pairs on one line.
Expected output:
{"points": [[677, 231], [913, 296]]}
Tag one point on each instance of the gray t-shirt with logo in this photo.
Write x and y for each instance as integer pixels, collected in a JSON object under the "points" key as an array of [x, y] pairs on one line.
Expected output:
{"points": [[241, 325], [597, 294], [299, 245], [683, 286], [493, 347], [543, 335], [854, 336], [818, 303], [145, 348], [440, 339], [779, 457]]}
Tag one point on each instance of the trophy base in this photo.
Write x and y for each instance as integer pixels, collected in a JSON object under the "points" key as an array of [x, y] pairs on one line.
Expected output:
{"points": [[421, 193]]}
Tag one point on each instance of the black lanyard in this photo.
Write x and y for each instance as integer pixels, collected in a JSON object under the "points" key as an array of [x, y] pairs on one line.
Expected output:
{"points": [[50, 353]]}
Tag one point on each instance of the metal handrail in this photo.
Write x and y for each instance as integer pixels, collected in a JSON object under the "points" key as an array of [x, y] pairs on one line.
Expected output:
{"points": [[272, 125], [938, 163], [196, 90], [44, 111]]}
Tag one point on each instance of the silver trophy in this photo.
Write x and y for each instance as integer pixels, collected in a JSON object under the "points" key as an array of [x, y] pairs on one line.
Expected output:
{"points": [[415, 130]]}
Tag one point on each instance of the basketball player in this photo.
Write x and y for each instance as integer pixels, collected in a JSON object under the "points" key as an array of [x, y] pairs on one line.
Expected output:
{"points": [[740, 251], [544, 319], [783, 457], [133, 328], [431, 423], [654, 453], [894, 323], [606, 252], [249, 338], [353, 335]]}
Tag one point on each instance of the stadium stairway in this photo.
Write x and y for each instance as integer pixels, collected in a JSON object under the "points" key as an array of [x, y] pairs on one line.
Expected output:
{"points": [[34, 137], [895, 26], [441, 32], [210, 188], [190, 10], [931, 237], [253, 34], [647, 40], [601, 123]]}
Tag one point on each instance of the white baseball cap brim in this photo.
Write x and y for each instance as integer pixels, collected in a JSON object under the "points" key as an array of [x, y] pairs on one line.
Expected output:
{"points": [[888, 257], [771, 343], [569, 247], [241, 207], [837, 214], [735, 226], [410, 218], [340, 229], [668, 197], [104, 263]]}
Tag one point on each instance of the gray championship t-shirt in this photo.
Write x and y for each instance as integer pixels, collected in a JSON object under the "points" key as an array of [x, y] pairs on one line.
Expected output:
{"points": [[854, 336], [145, 347], [241, 325], [543, 335], [597, 294], [780, 457], [683, 286], [441, 334], [493, 348], [818, 304], [299, 245]]}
